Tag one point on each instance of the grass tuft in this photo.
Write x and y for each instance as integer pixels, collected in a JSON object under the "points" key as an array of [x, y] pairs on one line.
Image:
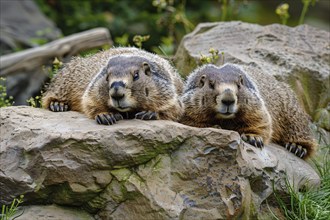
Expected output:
{"points": [[311, 203]]}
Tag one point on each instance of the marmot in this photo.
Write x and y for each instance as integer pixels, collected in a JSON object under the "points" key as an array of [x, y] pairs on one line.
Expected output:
{"points": [[256, 105], [123, 82]]}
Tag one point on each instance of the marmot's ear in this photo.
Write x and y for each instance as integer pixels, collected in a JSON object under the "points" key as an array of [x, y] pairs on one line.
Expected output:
{"points": [[202, 81], [107, 77], [146, 68]]}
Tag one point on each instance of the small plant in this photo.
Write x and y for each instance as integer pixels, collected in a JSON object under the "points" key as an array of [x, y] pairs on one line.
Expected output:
{"points": [[173, 18], [138, 40], [213, 58], [57, 64], [166, 46], [306, 4], [35, 101], [123, 40], [283, 11], [4, 100], [224, 8], [7, 212]]}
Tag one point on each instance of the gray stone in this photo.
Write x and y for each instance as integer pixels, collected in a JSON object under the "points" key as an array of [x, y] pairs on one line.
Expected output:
{"points": [[299, 56], [52, 212], [14, 36], [139, 169]]}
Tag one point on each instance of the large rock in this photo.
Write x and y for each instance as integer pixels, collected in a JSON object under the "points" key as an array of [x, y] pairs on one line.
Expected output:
{"points": [[22, 25], [139, 169], [299, 56], [37, 27]]}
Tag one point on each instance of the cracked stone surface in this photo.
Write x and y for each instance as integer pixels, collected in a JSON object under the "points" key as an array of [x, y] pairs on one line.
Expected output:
{"points": [[137, 169]]}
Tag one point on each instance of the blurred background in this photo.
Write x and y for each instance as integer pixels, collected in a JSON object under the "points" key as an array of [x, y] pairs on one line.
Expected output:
{"points": [[164, 21], [155, 25]]}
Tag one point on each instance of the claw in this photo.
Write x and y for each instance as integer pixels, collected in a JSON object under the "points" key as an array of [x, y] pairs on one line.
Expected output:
{"points": [[61, 106], [146, 115], [57, 106], [252, 141], [106, 119], [303, 153], [259, 142], [66, 107], [256, 141], [244, 137], [102, 120], [139, 115], [297, 150], [118, 116], [98, 119], [51, 106], [110, 119], [293, 147]]}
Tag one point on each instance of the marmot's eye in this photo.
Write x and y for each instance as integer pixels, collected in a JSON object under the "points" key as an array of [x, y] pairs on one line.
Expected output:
{"points": [[136, 75], [240, 82], [211, 84], [202, 81]]}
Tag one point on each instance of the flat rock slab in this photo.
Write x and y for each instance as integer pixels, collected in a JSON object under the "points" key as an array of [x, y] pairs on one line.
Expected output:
{"points": [[51, 212], [139, 169]]}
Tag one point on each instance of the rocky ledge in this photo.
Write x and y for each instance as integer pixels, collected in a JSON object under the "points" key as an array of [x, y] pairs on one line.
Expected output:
{"points": [[137, 169]]}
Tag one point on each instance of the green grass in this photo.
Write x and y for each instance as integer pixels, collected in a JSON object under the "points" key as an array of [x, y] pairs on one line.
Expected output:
{"points": [[8, 212], [310, 203]]}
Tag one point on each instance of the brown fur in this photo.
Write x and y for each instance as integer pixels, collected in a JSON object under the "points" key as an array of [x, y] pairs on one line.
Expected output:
{"points": [[262, 106], [84, 84]]}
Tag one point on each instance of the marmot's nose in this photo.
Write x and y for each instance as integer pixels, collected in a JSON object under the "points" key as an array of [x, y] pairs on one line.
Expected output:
{"points": [[117, 90], [117, 96], [228, 102]]}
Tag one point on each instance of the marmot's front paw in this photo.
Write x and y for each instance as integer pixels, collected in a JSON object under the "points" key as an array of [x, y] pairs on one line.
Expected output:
{"points": [[108, 118], [146, 115], [298, 150], [56, 106], [253, 139]]}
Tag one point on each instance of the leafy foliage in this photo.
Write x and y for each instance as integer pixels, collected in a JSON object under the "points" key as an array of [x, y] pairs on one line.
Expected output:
{"points": [[4, 99], [165, 21], [213, 58]]}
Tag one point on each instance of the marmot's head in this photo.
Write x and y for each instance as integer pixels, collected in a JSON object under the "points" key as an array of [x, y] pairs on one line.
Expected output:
{"points": [[220, 91], [130, 81]]}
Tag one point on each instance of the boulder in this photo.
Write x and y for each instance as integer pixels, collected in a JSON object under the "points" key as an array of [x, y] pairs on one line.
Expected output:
{"points": [[37, 29], [299, 56], [139, 169]]}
